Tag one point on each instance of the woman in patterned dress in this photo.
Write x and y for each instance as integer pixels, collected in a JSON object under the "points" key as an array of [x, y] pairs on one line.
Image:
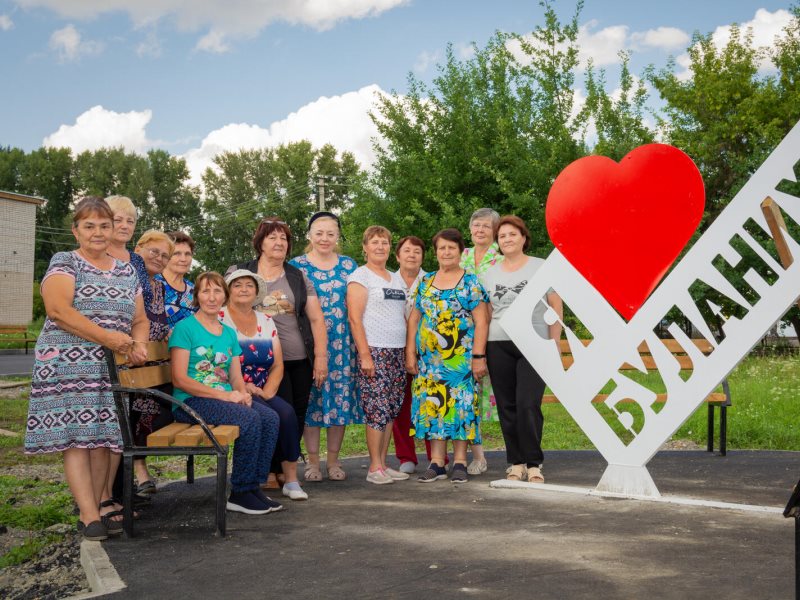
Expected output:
{"points": [[445, 349], [178, 290], [477, 260], [334, 405], [92, 300]]}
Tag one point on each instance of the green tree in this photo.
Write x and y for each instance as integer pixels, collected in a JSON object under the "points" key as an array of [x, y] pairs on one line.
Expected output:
{"points": [[493, 130], [246, 186]]}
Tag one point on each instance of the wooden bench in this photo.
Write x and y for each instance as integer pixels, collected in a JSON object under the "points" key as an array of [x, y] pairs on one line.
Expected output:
{"points": [[720, 400], [177, 439], [21, 331]]}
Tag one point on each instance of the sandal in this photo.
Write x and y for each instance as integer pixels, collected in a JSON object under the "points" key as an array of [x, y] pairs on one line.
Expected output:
{"points": [[118, 512], [94, 531], [312, 473], [271, 483], [146, 487], [535, 475], [336, 473], [112, 527], [516, 473]]}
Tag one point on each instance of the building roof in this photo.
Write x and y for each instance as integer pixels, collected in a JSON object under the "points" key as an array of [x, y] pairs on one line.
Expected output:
{"points": [[21, 198]]}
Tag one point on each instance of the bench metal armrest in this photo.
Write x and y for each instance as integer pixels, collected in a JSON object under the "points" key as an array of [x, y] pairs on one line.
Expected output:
{"points": [[175, 402]]}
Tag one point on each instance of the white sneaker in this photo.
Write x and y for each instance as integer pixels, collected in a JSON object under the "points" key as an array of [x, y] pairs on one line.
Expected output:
{"points": [[476, 467], [379, 477], [407, 467], [396, 475], [294, 493]]}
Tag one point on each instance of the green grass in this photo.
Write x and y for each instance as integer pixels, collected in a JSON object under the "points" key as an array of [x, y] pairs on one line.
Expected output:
{"points": [[32, 504], [28, 549], [34, 328]]}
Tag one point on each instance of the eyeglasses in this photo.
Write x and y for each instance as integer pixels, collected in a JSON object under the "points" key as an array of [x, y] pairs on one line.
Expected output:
{"points": [[481, 226], [156, 255], [273, 221]]}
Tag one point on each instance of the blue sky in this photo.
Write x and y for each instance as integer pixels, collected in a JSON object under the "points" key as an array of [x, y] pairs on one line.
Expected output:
{"points": [[199, 76]]}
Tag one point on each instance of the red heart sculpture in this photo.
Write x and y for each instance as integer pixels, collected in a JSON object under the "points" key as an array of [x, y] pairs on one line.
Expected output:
{"points": [[623, 224]]}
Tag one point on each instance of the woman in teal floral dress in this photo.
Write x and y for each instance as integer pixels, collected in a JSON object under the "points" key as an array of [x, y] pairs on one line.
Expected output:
{"points": [[333, 405], [445, 349]]}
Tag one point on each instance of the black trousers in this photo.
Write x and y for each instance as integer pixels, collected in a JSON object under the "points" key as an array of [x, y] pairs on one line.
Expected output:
{"points": [[518, 389], [295, 388]]}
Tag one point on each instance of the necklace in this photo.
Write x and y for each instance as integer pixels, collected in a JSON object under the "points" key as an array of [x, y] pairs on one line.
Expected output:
{"points": [[246, 324]]}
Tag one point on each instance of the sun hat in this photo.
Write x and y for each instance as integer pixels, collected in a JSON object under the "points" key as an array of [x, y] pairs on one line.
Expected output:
{"points": [[261, 285]]}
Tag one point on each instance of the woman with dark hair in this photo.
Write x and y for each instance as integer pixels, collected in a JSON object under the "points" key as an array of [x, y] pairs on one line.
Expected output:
{"points": [[445, 349], [178, 290], [409, 252], [291, 300], [207, 376], [92, 300], [334, 404], [517, 386]]}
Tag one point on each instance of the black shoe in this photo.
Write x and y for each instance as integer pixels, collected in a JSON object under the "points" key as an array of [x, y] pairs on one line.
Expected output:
{"points": [[433, 473], [146, 488], [458, 474], [94, 531], [272, 504], [247, 503]]}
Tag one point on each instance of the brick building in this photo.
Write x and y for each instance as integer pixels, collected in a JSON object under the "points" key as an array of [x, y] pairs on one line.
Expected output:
{"points": [[17, 244]]}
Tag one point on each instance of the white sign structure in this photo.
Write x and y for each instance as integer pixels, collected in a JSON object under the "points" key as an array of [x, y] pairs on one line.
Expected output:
{"points": [[615, 342]]}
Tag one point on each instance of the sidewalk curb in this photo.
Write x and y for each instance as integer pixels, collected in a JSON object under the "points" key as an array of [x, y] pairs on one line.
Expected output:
{"points": [[101, 574]]}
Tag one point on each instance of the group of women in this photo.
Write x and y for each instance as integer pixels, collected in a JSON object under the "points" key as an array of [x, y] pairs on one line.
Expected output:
{"points": [[284, 348]]}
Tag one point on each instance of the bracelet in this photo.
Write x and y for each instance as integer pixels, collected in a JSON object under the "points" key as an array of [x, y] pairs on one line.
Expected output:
{"points": [[479, 356]]}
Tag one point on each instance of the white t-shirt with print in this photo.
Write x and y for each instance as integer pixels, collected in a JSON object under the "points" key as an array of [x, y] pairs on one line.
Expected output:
{"points": [[384, 317]]}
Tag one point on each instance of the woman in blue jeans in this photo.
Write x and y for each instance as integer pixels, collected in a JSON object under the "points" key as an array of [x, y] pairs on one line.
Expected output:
{"points": [[207, 376], [262, 369]]}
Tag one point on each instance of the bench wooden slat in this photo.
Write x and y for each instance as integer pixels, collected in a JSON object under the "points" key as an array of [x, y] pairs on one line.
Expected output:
{"points": [[713, 398], [225, 435], [166, 435], [156, 351], [191, 436], [672, 345], [146, 377]]}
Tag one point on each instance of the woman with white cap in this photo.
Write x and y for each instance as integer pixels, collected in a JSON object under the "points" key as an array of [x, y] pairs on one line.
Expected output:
{"points": [[262, 367]]}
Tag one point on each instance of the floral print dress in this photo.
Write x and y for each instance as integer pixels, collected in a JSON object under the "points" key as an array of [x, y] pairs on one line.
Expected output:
{"points": [[336, 402], [444, 404], [488, 403]]}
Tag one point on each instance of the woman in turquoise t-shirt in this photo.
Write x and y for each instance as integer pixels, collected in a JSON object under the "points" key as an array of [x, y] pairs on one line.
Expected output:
{"points": [[207, 379]]}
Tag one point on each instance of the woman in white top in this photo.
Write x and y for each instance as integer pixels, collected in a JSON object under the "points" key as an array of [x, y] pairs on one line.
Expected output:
{"points": [[376, 310], [518, 388]]}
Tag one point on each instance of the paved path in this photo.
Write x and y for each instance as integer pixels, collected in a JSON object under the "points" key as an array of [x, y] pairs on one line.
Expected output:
{"points": [[412, 540], [16, 364]]}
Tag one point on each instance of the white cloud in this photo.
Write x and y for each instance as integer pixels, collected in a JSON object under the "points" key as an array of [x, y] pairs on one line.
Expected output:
{"points": [[240, 18], [426, 59], [100, 128], [150, 46], [69, 46], [764, 25], [6, 23], [342, 121], [464, 51], [603, 46], [213, 41], [664, 38]]}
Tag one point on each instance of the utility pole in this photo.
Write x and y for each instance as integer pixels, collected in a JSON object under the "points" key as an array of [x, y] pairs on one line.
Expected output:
{"points": [[321, 192]]}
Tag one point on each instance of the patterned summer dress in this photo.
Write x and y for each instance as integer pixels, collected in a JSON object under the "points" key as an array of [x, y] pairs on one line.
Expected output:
{"points": [[71, 405], [490, 259], [336, 402], [444, 406]]}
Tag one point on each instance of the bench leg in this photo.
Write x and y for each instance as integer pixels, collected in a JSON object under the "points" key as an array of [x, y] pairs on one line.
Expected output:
{"points": [[723, 430], [222, 484], [127, 494], [710, 442], [190, 469]]}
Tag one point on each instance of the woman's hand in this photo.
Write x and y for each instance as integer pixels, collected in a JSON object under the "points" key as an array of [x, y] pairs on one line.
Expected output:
{"points": [[119, 342], [411, 363], [479, 369], [367, 365], [138, 353], [254, 390], [240, 398], [320, 370]]}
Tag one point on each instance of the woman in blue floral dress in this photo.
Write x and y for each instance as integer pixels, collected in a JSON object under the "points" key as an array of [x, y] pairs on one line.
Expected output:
{"points": [[445, 349], [334, 405]]}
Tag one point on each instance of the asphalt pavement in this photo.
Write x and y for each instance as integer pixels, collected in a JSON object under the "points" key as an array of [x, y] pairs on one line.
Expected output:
{"points": [[16, 364], [353, 539]]}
